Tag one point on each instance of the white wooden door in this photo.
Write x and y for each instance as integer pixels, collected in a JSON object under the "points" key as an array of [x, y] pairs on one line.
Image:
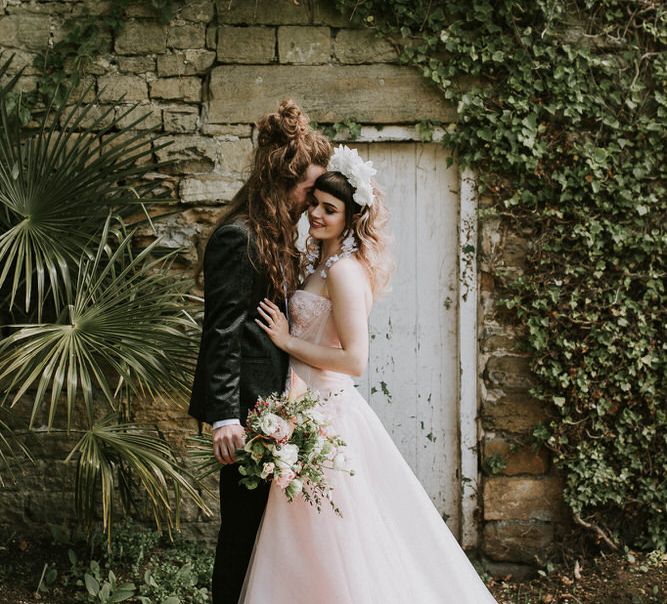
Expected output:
{"points": [[412, 377]]}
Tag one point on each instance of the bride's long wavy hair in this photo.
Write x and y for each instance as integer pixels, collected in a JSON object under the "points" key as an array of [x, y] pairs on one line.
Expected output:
{"points": [[286, 146], [370, 225]]}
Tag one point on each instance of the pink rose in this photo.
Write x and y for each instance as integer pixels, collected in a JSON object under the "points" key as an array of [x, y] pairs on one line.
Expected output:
{"points": [[283, 430], [284, 479]]}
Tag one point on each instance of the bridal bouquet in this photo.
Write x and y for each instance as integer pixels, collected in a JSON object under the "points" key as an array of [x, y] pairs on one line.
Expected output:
{"points": [[288, 441]]}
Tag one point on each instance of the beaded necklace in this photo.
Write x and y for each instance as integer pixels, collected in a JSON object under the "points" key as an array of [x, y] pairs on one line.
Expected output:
{"points": [[347, 248]]}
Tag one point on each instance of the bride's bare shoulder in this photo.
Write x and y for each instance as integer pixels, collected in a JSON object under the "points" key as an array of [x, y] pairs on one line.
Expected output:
{"points": [[347, 267], [350, 272]]}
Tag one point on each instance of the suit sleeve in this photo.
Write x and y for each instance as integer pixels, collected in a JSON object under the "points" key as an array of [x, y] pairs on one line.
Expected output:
{"points": [[228, 280]]}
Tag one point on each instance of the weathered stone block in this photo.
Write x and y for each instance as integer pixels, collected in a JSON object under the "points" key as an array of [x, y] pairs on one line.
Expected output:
{"points": [[151, 114], [325, 13], [139, 37], [49, 445], [246, 44], [96, 117], [189, 153], [509, 372], [128, 87], [516, 541], [84, 91], [519, 459], [209, 189], [517, 412], [328, 93], [25, 31], [227, 131], [48, 475], [274, 12], [202, 218], [515, 250], [140, 10], [12, 509], [88, 7], [136, 64], [513, 498], [186, 89], [180, 119], [27, 84], [304, 45], [138, 146], [52, 8], [21, 59], [201, 11], [188, 35], [495, 342], [98, 65], [212, 37], [363, 46], [190, 62], [235, 155], [54, 507]]}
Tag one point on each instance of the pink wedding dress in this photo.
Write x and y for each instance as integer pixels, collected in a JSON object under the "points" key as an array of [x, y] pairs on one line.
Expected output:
{"points": [[390, 547]]}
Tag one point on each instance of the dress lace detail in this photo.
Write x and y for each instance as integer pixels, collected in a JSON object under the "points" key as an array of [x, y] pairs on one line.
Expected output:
{"points": [[305, 308]]}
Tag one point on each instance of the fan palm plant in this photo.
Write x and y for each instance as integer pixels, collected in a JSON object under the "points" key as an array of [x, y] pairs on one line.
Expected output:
{"points": [[58, 180], [101, 324]]}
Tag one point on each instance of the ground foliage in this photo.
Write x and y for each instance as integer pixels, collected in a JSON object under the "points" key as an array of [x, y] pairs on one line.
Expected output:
{"points": [[562, 111], [145, 567]]}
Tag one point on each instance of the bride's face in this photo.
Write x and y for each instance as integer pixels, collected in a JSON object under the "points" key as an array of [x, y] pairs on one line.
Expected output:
{"points": [[326, 215]]}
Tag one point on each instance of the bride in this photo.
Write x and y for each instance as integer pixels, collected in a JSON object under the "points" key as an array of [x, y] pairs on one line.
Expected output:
{"points": [[391, 545]]}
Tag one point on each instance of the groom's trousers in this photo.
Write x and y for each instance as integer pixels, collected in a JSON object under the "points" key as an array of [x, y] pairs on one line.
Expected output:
{"points": [[241, 512]]}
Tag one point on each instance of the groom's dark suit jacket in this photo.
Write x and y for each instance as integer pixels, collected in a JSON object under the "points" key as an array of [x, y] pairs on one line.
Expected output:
{"points": [[237, 361]]}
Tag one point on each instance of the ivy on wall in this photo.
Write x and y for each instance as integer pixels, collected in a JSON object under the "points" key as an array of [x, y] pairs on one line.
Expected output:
{"points": [[562, 112]]}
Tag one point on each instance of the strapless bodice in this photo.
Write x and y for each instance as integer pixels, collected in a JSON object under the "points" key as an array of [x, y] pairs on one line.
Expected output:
{"points": [[311, 319], [305, 308]]}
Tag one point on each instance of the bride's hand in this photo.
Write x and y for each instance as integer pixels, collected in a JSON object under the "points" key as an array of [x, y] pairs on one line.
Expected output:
{"points": [[275, 325]]}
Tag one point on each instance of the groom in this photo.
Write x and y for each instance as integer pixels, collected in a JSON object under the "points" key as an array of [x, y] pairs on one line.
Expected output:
{"points": [[250, 255]]}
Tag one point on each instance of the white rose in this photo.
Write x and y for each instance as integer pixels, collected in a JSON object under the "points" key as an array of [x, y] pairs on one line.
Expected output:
{"points": [[288, 454], [283, 429], [269, 423]]}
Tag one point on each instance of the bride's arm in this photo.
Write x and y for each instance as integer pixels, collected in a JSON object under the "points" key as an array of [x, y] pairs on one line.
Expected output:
{"points": [[349, 290]]}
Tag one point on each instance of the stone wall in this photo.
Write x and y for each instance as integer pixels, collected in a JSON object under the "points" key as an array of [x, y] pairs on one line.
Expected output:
{"points": [[203, 80], [522, 508]]}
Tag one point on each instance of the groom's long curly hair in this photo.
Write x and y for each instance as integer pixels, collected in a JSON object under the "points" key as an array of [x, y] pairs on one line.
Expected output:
{"points": [[286, 146]]}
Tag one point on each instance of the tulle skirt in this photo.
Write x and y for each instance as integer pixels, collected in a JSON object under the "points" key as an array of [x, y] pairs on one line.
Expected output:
{"points": [[390, 547]]}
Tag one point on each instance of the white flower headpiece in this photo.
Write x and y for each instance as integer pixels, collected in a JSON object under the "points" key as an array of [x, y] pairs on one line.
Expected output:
{"points": [[357, 171]]}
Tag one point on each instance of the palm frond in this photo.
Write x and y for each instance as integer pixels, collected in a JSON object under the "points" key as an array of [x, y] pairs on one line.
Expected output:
{"points": [[200, 453], [58, 182], [115, 459], [126, 320]]}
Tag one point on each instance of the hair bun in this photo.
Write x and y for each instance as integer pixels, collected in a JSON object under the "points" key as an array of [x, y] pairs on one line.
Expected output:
{"points": [[280, 128]]}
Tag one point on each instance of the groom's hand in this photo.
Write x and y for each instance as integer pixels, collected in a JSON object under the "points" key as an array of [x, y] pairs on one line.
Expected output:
{"points": [[226, 440]]}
